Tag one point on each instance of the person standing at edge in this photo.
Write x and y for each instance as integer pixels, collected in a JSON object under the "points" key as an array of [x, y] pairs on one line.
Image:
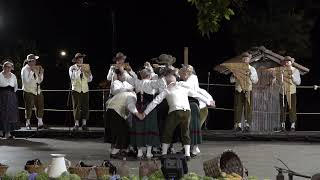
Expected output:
{"points": [[243, 95], [32, 76], [80, 77]]}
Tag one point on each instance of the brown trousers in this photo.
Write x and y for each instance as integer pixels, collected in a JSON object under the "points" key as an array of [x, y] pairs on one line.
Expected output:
{"points": [[292, 111], [240, 103], [80, 103], [203, 115], [31, 100], [174, 119]]}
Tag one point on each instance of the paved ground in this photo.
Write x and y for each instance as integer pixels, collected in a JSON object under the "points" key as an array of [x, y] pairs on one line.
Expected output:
{"points": [[258, 157]]}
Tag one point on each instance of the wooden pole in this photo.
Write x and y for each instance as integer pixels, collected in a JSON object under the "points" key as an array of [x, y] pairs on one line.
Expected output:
{"points": [[185, 53]]}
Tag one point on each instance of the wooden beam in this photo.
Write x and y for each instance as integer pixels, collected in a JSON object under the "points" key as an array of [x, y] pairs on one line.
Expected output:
{"points": [[185, 56]]}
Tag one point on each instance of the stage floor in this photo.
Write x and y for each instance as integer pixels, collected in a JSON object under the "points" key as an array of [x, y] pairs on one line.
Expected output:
{"points": [[259, 157], [212, 135]]}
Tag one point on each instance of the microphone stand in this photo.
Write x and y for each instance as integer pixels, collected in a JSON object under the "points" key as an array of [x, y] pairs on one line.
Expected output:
{"points": [[208, 88], [283, 95], [38, 84]]}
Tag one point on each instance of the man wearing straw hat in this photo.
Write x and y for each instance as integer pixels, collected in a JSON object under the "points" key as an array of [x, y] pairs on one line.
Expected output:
{"points": [[288, 99], [32, 76], [80, 77], [243, 95], [120, 66]]}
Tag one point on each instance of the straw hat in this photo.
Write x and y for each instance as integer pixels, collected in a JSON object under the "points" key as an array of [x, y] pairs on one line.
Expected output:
{"points": [[78, 55], [119, 55], [164, 59], [288, 58], [31, 57]]}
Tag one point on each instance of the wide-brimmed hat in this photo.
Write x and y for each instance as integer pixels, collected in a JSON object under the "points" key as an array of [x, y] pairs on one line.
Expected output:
{"points": [[78, 55], [164, 59], [288, 58], [119, 55], [7, 62], [246, 54], [31, 57]]}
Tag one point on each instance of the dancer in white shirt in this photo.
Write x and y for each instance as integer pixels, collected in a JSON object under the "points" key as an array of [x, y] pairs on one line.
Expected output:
{"points": [[9, 114], [179, 112], [80, 77], [32, 77]]}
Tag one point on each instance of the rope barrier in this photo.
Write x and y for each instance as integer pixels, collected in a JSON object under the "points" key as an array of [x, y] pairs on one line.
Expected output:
{"points": [[315, 87]]}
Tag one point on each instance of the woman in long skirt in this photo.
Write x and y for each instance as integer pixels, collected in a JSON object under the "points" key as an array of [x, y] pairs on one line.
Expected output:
{"points": [[8, 101]]}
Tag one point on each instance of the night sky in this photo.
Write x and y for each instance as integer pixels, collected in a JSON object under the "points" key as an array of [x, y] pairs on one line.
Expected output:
{"points": [[143, 30]]}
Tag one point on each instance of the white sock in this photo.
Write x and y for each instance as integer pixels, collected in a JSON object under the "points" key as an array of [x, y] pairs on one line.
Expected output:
{"points": [[27, 122], [84, 122], [293, 125], [149, 151], [115, 151], [76, 122], [140, 153], [239, 125], [40, 123], [283, 125], [8, 134], [186, 150], [195, 149], [165, 148]]}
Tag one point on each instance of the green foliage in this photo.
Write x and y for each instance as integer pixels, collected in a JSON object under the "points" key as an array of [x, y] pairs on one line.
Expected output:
{"points": [[253, 178], [42, 176], [6, 177], [67, 176], [211, 13], [156, 175], [23, 175], [105, 177]]}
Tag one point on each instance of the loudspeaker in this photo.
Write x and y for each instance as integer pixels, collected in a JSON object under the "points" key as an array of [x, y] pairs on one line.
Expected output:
{"points": [[174, 166]]}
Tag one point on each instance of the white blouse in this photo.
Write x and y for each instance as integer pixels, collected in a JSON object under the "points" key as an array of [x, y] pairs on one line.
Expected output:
{"points": [[12, 81]]}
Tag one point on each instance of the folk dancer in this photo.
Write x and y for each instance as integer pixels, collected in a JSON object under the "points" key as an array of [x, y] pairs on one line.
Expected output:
{"points": [[145, 133], [288, 77], [120, 66], [116, 116], [32, 77], [189, 80], [9, 113], [80, 76], [179, 112], [243, 95]]}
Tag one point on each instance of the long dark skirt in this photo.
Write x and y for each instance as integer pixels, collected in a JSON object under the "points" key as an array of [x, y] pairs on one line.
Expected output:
{"points": [[145, 132], [9, 113], [195, 127], [116, 129]]}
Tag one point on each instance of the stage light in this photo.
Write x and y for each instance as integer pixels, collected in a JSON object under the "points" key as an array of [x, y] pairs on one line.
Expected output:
{"points": [[63, 53]]}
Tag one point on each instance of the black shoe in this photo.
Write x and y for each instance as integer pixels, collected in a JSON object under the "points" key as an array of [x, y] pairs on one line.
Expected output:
{"points": [[43, 127], [192, 155], [11, 137], [188, 158], [76, 128], [119, 155], [132, 153], [84, 128], [238, 129], [246, 129], [282, 129]]}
